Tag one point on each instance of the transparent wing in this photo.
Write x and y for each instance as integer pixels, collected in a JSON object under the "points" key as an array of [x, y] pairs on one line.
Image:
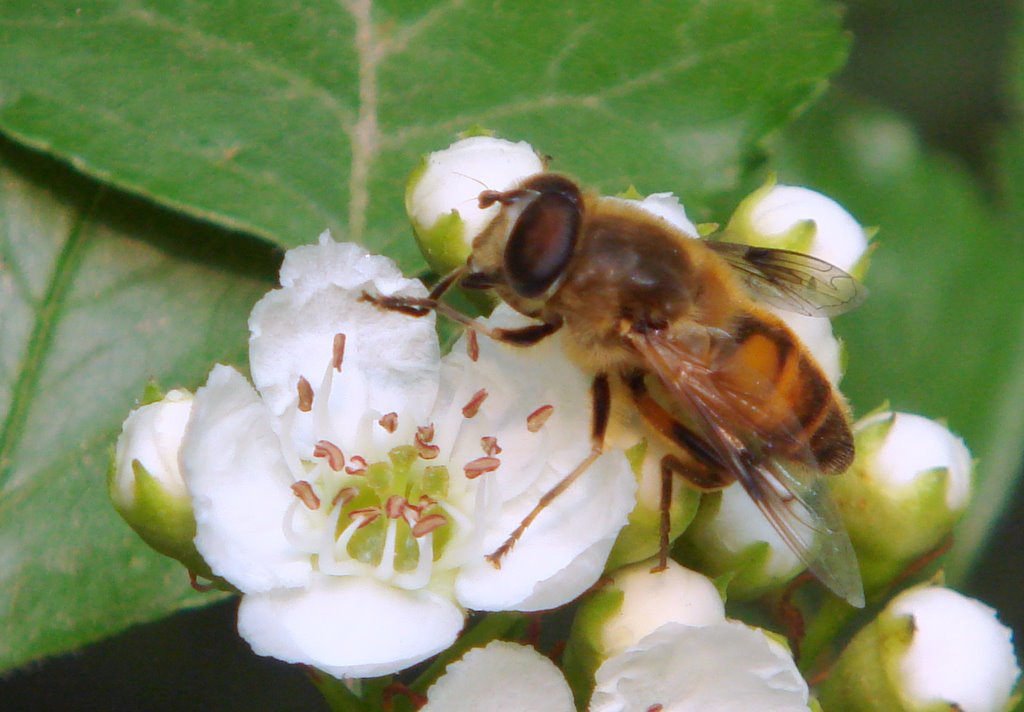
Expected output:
{"points": [[791, 494], [792, 280]]}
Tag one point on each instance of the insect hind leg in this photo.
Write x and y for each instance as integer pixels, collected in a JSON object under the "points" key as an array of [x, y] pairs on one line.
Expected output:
{"points": [[600, 412]]}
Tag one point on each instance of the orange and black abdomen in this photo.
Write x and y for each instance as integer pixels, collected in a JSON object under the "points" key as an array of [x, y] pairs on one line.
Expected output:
{"points": [[782, 391]]}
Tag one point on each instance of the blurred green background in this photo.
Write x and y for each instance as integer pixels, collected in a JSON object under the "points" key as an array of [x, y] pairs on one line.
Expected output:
{"points": [[943, 65]]}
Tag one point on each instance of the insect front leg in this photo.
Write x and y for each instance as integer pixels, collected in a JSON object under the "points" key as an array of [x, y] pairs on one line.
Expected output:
{"points": [[601, 405]]}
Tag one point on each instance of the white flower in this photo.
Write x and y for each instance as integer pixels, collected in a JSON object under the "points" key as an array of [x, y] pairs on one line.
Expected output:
{"points": [[931, 648], [794, 218], [441, 197], [959, 651], [353, 496]]}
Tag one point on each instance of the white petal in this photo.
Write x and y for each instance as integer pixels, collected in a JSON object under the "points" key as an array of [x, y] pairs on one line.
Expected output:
{"points": [[563, 551], [667, 207], [959, 653], [240, 487], [152, 434], [349, 626], [839, 238], [456, 176], [739, 524], [501, 676], [719, 668], [915, 445], [649, 600], [391, 360]]}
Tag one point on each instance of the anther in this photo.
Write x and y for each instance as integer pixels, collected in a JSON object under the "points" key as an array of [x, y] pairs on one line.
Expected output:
{"points": [[425, 433], [394, 506], [480, 466], [490, 446], [426, 451], [389, 421], [535, 420], [304, 491], [338, 352], [366, 516], [473, 406], [344, 496], [327, 449], [356, 465], [428, 524], [656, 707], [305, 395], [472, 345]]}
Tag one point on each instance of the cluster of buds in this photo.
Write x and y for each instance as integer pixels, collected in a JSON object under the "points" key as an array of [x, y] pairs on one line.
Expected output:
{"points": [[351, 504]]}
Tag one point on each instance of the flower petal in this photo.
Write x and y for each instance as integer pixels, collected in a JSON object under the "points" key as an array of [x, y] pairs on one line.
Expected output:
{"points": [[349, 626], [500, 676], [717, 668], [240, 486], [391, 360]]}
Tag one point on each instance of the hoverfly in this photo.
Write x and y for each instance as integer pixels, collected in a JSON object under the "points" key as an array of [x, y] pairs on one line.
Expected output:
{"points": [[679, 325]]}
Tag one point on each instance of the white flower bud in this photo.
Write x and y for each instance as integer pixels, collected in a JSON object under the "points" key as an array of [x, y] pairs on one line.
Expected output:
{"points": [[909, 484], [667, 207], [730, 536], [650, 600], [929, 649], [441, 195], [146, 484], [802, 220]]}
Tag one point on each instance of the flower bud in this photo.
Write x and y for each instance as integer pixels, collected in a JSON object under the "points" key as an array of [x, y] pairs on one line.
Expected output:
{"points": [[441, 194], [145, 482], [930, 649], [909, 484], [802, 220], [634, 603], [665, 206], [732, 539]]}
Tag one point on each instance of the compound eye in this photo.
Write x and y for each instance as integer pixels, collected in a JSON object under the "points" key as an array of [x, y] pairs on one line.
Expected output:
{"points": [[541, 243]]}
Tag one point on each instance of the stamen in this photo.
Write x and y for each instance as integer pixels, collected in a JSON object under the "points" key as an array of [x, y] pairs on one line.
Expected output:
{"points": [[386, 569], [344, 496], [304, 491], [473, 406], [535, 420], [338, 352], [425, 433], [427, 451], [480, 466], [394, 506], [490, 446], [327, 449], [357, 466], [656, 707], [305, 395], [389, 421], [472, 345], [366, 515], [428, 524]]}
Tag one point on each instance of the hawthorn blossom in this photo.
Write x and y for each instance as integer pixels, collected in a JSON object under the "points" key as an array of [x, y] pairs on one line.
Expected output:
{"points": [[353, 494]]}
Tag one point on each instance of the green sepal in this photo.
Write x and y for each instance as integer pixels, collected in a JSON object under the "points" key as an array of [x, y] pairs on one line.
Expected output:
{"points": [[153, 393], [860, 268], [631, 193], [584, 652], [476, 130], [865, 677]]}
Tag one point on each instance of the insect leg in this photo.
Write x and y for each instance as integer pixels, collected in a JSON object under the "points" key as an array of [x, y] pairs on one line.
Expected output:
{"points": [[601, 400], [421, 306], [670, 464]]}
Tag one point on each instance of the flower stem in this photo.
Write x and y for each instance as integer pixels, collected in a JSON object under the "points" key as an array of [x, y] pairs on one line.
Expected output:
{"points": [[338, 694]]}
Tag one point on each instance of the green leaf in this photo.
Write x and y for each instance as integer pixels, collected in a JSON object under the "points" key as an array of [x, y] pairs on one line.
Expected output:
{"points": [[283, 118], [98, 293], [939, 334]]}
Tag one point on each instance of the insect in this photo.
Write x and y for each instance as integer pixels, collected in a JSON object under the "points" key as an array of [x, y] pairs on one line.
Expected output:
{"points": [[678, 326]]}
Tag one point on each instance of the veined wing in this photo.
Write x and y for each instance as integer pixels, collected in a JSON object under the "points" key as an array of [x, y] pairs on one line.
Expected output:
{"points": [[792, 280]]}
